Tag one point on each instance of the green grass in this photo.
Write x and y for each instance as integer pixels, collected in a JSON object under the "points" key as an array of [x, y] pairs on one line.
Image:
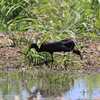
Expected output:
{"points": [[55, 19], [54, 16]]}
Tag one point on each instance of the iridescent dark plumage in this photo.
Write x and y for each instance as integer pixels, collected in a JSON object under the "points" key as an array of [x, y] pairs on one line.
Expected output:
{"points": [[67, 45]]}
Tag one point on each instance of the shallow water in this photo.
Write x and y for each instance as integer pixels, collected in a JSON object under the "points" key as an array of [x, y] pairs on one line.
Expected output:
{"points": [[29, 85]]}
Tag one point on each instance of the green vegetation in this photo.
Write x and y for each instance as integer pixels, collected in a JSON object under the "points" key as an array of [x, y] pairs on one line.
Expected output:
{"points": [[55, 19], [50, 16], [25, 21]]}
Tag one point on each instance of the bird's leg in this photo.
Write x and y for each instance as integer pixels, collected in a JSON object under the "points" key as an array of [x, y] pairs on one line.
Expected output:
{"points": [[51, 60], [52, 57], [64, 59], [46, 57], [46, 62]]}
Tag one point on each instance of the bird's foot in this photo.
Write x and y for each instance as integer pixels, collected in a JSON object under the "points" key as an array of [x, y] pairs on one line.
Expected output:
{"points": [[46, 62]]}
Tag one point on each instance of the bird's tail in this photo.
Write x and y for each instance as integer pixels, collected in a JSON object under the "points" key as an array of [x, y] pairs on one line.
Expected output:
{"points": [[78, 52]]}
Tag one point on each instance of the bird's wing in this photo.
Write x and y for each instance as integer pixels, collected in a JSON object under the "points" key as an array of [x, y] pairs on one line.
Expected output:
{"points": [[65, 43], [68, 43]]}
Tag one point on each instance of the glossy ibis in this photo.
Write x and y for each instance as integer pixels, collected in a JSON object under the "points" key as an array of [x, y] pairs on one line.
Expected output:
{"points": [[67, 45]]}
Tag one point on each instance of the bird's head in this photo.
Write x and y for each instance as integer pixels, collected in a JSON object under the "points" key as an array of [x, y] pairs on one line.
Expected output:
{"points": [[33, 45]]}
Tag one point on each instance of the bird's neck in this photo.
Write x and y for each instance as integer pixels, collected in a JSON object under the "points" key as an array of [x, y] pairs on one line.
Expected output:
{"points": [[42, 48], [37, 48]]}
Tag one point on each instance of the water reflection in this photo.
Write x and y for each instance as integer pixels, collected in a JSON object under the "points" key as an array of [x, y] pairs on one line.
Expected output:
{"points": [[79, 91], [85, 89], [49, 86]]}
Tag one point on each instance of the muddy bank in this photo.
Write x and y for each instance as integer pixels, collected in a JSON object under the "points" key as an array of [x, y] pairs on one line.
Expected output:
{"points": [[10, 57]]}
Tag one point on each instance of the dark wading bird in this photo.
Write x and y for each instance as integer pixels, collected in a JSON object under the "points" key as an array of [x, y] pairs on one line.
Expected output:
{"points": [[67, 45]]}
